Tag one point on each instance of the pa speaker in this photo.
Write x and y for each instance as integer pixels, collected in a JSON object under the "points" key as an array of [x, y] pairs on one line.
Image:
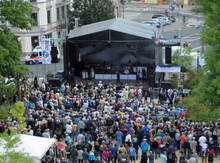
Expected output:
{"points": [[54, 82], [168, 55], [54, 53]]}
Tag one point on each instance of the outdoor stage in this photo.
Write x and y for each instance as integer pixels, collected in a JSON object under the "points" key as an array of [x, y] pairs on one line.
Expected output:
{"points": [[108, 46]]}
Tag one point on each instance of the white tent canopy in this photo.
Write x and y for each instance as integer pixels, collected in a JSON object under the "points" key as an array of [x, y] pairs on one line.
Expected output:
{"points": [[35, 146]]}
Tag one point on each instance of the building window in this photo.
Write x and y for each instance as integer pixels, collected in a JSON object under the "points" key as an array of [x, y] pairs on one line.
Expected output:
{"points": [[48, 17], [33, 0], [48, 35], [63, 12], [34, 41], [34, 16], [59, 34], [58, 13]]}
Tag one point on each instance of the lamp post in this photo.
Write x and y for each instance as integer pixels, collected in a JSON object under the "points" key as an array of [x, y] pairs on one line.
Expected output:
{"points": [[123, 8], [197, 64], [65, 57], [180, 37], [44, 68], [18, 84]]}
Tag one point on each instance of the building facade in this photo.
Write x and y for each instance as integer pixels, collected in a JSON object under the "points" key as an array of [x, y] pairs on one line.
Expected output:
{"points": [[49, 16]]}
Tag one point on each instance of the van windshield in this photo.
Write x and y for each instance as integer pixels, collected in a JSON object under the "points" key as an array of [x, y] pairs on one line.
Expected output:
{"points": [[34, 54]]}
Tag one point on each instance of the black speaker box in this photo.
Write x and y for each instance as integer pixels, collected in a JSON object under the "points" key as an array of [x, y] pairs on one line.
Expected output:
{"points": [[168, 55], [54, 53], [54, 82]]}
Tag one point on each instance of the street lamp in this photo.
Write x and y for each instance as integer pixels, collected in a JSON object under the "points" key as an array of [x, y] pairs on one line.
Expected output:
{"points": [[197, 66], [123, 7], [65, 57]]}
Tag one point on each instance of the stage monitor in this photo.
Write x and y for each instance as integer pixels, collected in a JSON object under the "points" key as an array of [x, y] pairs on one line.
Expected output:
{"points": [[54, 82]]}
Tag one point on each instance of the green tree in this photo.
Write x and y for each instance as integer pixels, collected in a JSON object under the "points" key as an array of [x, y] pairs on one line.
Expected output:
{"points": [[209, 86], [7, 88], [91, 11], [18, 112], [4, 110], [9, 153], [182, 57], [18, 15], [204, 102], [11, 142]]}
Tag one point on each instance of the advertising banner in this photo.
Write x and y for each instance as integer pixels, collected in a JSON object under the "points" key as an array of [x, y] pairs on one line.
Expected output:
{"points": [[46, 48], [163, 42], [168, 68]]}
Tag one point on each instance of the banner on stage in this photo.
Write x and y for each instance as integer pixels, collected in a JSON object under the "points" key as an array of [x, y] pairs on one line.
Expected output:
{"points": [[168, 68], [46, 48], [164, 42]]}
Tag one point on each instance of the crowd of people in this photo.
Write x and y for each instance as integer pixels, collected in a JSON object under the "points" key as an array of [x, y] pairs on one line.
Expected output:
{"points": [[103, 123]]}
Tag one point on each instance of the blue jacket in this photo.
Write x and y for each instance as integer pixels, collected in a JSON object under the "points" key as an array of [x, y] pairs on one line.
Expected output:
{"points": [[119, 135], [144, 146]]}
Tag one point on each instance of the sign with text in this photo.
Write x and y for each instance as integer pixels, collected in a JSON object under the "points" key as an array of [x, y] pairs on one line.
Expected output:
{"points": [[163, 42], [168, 68]]}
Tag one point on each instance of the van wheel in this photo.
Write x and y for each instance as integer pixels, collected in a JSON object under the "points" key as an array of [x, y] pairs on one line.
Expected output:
{"points": [[31, 62]]}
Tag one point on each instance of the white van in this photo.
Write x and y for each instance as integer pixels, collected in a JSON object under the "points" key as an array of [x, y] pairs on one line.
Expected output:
{"points": [[36, 56]]}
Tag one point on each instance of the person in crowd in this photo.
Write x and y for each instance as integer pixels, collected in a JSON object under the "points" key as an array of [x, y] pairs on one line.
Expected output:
{"points": [[4, 99], [35, 82], [163, 157], [204, 152], [151, 157], [144, 145], [182, 158], [132, 152], [92, 157], [154, 148], [193, 158], [79, 155], [211, 154], [144, 157], [85, 156]]}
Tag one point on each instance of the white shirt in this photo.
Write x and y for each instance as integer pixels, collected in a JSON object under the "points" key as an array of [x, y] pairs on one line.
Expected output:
{"points": [[43, 85], [128, 138], [202, 140], [68, 129]]}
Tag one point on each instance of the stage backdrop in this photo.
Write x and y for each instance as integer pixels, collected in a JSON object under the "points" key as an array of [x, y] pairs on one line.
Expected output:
{"points": [[117, 54]]}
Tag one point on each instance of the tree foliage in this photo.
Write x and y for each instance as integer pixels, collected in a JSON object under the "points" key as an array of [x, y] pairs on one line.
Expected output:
{"points": [[10, 51], [204, 103], [209, 87], [7, 88], [4, 110], [9, 153], [182, 57], [18, 112], [15, 14], [12, 141], [91, 11], [198, 111]]}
